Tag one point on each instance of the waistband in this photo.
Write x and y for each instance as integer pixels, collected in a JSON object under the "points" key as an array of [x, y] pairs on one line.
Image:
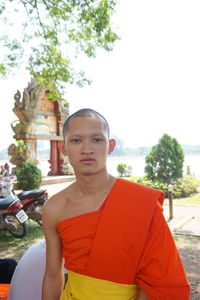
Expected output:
{"points": [[81, 287]]}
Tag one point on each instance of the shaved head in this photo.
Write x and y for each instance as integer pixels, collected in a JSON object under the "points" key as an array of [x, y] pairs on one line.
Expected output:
{"points": [[85, 113]]}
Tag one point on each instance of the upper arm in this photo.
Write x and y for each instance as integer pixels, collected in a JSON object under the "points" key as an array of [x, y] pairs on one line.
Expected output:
{"points": [[53, 243]]}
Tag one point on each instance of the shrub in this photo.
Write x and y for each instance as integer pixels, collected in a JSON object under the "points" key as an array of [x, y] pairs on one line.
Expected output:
{"points": [[124, 170], [184, 187], [155, 185], [28, 177]]}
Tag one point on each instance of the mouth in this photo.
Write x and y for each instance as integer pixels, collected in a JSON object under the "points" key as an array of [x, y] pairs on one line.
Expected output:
{"points": [[87, 161]]}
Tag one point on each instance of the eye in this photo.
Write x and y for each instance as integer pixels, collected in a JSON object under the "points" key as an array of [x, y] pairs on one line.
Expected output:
{"points": [[98, 140], [75, 141]]}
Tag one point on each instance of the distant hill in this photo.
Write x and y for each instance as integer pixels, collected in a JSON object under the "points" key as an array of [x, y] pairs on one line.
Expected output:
{"points": [[191, 149], [43, 154], [143, 151]]}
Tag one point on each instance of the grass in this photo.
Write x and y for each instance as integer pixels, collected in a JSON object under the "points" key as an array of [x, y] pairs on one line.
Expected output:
{"points": [[11, 247], [186, 241], [193, 200]]}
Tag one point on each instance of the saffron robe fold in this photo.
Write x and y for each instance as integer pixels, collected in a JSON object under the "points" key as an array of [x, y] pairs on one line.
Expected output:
{"points": [[126, 242]]}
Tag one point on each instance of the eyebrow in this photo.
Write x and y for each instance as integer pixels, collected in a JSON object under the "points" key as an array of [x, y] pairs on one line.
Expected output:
{"points": [[80, 135]]}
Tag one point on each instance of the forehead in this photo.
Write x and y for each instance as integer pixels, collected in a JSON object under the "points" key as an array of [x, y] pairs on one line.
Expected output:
{"points": [[85, 125]]}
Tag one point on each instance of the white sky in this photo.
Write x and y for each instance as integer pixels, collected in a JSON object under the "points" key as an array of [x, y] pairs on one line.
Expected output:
{"points": [[149, 84]]}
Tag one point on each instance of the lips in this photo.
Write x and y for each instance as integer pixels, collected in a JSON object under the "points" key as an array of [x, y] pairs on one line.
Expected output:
{"points": [[87, 160]]}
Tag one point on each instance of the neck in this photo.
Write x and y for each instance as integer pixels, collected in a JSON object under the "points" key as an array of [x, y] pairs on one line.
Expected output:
{"points": [[94, 184]]}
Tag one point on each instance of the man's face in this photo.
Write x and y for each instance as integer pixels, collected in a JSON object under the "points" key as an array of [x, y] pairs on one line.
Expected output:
{"points": [[87, 145]]}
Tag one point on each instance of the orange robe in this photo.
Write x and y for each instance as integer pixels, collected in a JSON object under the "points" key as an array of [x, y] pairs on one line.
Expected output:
{"points": [[127, 242], [4, 290]]}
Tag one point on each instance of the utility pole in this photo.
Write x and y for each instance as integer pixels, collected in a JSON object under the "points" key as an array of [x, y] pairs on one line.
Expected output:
{"points": [[170, 196]]}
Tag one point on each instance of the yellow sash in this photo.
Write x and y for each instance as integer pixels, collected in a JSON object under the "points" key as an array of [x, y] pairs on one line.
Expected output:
{"points": [[81, 287]]}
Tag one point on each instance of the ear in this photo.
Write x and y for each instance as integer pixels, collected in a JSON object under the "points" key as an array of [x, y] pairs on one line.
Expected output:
{"points": [[112, 144], [61, 147]]}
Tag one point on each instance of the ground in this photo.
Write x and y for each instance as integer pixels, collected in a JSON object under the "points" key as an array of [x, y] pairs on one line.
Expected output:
{"points": [[189, 249]]}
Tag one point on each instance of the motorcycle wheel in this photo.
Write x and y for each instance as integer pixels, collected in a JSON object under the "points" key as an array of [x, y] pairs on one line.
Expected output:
{"points": [[16, 228], [35, 212]]}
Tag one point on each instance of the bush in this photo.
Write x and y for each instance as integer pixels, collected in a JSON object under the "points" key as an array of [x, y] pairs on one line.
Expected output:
{"points": [[28, 177], [184, 187], [155, 185], [124, 170]]}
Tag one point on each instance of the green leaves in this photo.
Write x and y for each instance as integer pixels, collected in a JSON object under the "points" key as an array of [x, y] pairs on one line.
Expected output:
{"points": [[12, 57], [3, 70], [28, 177], [53, 33], [165, 161], [124, 170], [49, 68], [2, 7]]}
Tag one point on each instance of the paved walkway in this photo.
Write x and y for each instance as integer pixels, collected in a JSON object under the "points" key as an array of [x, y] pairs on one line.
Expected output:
{"points": [[186, 218]]}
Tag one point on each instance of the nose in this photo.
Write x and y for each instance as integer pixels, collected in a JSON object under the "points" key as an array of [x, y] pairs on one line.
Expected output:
{"points": [[87, 148]]}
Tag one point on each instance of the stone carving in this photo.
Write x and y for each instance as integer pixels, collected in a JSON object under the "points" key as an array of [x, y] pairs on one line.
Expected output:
{"points": [[22, 129], [64, 113], [26, 108], [16, 157], [30, 152], [17, 98]]}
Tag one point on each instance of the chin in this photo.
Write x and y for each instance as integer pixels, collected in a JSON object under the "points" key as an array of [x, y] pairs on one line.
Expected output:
{"points": [[90, 172]]}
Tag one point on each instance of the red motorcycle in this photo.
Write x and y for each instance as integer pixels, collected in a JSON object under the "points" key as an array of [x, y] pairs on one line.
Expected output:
{"points": [[12, 217], [33, 202]]}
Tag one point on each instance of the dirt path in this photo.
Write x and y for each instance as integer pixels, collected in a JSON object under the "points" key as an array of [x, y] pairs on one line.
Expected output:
{"points": [[189, 249]]}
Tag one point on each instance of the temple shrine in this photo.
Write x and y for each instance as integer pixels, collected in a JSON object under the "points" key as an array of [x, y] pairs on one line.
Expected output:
{"points": [[39, 119]]}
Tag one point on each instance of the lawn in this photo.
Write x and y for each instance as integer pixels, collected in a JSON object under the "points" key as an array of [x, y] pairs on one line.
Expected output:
{"points": [[11, 247], [192, 200]]}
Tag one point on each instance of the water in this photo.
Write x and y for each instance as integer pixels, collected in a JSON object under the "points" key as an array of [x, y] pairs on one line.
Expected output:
{"points": [[137, 163]]}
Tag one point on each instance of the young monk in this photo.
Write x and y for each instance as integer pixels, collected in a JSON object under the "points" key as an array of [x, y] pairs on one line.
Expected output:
{"points": [[110, 232]]}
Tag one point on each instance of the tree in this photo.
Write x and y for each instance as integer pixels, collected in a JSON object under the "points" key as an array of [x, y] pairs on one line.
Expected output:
{"points": [[165, 161], [28, 177], [52, 34], [124, 170]]}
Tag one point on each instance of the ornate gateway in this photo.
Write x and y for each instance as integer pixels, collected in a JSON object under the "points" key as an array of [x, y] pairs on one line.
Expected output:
{"points": [[39, 119]]}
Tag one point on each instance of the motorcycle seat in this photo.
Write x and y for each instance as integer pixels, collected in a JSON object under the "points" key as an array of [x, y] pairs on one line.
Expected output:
{"points": [[30, 194], [6, 202]]}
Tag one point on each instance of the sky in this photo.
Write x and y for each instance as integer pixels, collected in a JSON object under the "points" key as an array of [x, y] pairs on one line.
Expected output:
{"points": [[147, 86]]}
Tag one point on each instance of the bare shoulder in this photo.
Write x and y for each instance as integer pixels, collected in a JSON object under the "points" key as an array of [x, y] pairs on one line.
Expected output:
{"points": [[54, 206]]}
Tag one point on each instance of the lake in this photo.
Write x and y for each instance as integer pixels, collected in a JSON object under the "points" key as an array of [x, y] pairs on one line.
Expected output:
{"points": [[137, 163]]}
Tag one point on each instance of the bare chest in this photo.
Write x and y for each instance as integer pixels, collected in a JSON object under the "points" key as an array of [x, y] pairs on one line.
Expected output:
{"points": [[82, 205]]}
